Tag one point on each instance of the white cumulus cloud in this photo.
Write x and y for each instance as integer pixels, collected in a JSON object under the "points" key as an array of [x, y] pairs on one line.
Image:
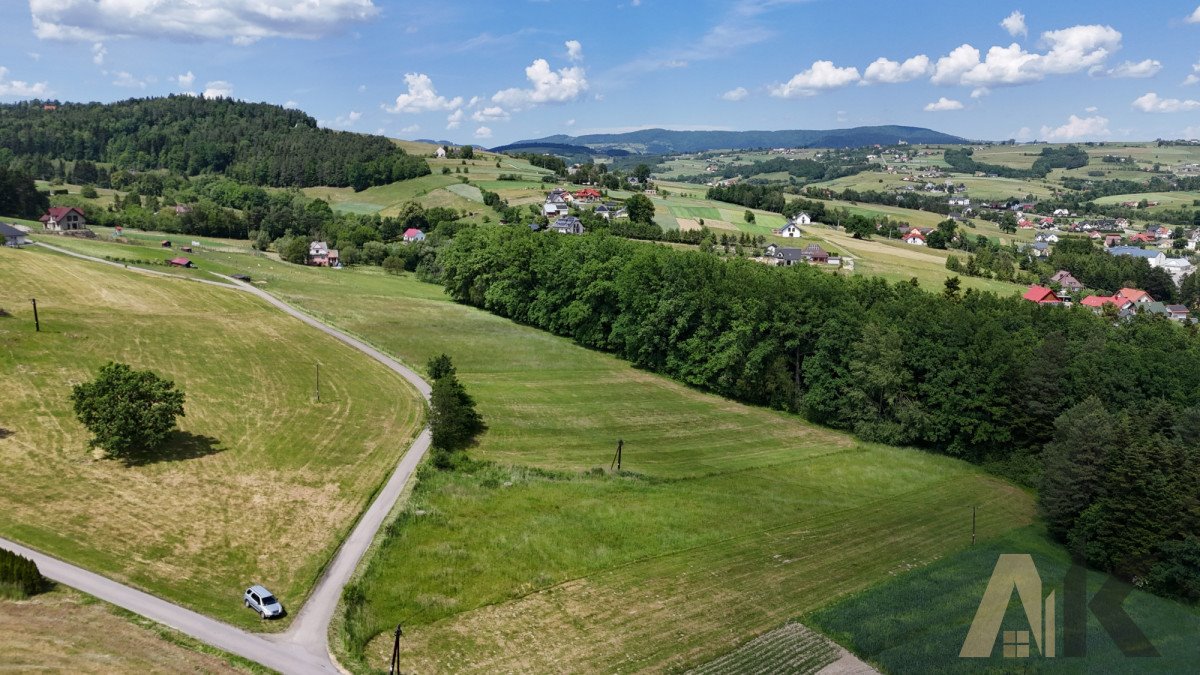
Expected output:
{"points": [[483, 132], [186, 80], [574, 50], [822, 76], [1141, 69], [124, 79], [98, 53], [422, 97], [1015, 24], [21, 88], [1152, 103], [236, 20], [1194, 77], [291, 105], [884, 71], [1068, 51], [943, 104], [455, 119], [1194, 17], [218, 89], [1077, 128], [549, 86], [735, 94], [491, 114]]}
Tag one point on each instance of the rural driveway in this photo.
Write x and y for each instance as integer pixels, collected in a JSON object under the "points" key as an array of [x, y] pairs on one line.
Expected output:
{"points": [[303, 648]]}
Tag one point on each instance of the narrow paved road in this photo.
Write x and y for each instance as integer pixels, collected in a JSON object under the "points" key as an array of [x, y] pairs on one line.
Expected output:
{"points": [[304, 647]]}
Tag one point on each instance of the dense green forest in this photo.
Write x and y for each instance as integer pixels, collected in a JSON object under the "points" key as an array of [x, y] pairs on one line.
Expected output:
{"points": [[973, 375], [254, 143], [19, 195], [1068, 157]]}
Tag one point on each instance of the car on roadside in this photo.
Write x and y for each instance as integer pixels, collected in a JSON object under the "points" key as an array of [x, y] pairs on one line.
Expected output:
{"points": [[262, 601]]}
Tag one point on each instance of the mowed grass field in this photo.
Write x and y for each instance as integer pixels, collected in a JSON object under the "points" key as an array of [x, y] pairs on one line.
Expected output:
{"points": [[260, 485], [916, 623], [64, 631], [728, 520]]}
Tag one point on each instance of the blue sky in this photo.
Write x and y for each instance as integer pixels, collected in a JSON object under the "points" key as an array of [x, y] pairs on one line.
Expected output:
{"points": [[495, 72]]}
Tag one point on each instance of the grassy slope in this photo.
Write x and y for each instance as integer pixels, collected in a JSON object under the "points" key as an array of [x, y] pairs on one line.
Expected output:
{"points": [[261, 485], [737, 519], [916, 623], [43, 634]]}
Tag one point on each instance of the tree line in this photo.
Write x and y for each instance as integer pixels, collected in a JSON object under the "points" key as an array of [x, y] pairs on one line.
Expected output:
{"points": [[973, 375], [253, 143]]}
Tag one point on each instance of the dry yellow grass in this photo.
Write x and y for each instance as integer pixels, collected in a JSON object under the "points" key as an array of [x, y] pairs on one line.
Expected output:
{"points": [[63, 632], [262, 483]]}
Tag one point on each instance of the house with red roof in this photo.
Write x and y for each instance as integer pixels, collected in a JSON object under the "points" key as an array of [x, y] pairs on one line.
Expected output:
{"points": [[915, 238], [1042, 296], [64, 219], [1097, 302], [588, 195], [1142, 238], [412, 234], [179, 262]]}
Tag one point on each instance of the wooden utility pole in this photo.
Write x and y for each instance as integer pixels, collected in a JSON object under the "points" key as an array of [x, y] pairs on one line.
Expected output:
{"points": [[318, 383], [395, 668], [973, 525], [37, 325]]}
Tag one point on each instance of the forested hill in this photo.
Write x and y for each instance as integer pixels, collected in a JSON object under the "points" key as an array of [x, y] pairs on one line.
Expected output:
{"points": [[663, 141], [251, 142]]}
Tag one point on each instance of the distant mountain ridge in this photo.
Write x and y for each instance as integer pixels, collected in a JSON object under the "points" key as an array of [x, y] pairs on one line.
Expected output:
{"points": [[664, 141]]}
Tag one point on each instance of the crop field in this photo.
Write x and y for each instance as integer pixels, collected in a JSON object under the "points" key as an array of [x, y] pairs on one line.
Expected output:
{"points": [[64, 631], [977, 188], [706, 212], [1166, 200], [791, 649], [742, 516], [255, 453], [466, 191], [916, 623]]}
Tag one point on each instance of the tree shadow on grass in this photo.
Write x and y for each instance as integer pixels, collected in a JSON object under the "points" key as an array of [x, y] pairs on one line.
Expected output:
{"points": [[180, 446], [4, 433]]}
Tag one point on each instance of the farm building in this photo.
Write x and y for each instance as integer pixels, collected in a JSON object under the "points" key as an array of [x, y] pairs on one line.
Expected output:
{"points": [[64, 219], [180, 262], [915, 238], [320, 255], [13, 237], [412, 234]]}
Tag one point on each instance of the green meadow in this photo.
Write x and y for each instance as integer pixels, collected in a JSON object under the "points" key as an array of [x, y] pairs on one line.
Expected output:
{"points": [[260, 484], [917, 622]]}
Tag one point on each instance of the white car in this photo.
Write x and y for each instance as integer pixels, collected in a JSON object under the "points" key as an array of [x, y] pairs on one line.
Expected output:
{"points": [[260, 600]]}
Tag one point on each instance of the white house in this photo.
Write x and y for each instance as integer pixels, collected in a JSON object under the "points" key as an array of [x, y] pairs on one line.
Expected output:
{"points": [[915, 238], [12, 236], [441, 152], [801, 219], [1178, 268], [791, 231]]}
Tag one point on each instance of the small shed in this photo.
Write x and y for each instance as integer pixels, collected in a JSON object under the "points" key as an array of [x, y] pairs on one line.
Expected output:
{"points": [[180, 262], [165, 243], [185, 249]]}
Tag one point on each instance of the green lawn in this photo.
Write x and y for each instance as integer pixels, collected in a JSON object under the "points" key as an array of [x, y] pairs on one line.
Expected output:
{"points": [[916, 623], [262, 483], [733, 519]]}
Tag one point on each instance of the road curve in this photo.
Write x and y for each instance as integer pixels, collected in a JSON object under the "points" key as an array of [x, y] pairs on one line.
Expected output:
{"points": [[304, 647]]}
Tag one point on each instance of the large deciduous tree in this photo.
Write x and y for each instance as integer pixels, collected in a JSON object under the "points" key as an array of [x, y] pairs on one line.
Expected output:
{"points": [[640, 208], [128, 411]]}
